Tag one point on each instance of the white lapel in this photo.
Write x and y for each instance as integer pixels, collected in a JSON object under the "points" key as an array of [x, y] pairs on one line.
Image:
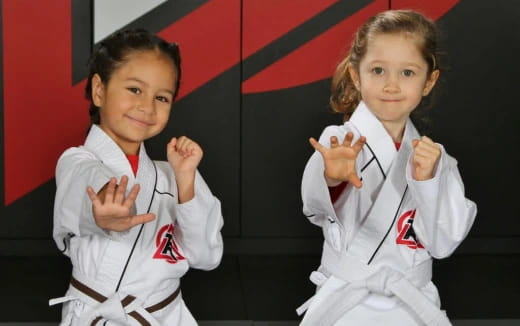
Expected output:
{"points": [[110, 154], [147, 179], [378, 141], [380, 218]]}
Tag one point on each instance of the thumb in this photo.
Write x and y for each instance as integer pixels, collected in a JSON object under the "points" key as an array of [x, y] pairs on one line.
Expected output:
{"points": [[355, 181], [171, 145], [317, 146], [415, 142]]}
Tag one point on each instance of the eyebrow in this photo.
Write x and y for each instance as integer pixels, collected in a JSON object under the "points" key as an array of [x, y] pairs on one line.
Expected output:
{"points": [[146, 84], [405, 63]]}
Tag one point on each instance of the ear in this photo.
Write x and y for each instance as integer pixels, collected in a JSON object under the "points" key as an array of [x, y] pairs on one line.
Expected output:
{"points": [[431, 82], [354, 75], [98, 90]]}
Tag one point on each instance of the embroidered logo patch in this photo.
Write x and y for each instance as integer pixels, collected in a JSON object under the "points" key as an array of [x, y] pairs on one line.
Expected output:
{"points": [[405, 233], [166, 247]]}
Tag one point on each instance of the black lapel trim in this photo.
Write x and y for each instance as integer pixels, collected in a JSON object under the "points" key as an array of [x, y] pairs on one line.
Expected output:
{"points": [[390, 228], [140, 230], [378, 163]]}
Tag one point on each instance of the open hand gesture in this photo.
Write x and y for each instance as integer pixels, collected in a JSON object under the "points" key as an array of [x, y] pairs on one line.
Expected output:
{"points": [[184, 155], [340, 159], [112, 210], [426, 154]]}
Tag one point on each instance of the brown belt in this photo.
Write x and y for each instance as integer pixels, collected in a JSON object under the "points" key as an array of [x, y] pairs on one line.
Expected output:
{"points": [[126, 301]]}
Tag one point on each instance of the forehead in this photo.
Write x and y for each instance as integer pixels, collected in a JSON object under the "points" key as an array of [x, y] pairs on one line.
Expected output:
{"points": [[394, 48], [147, 64]]}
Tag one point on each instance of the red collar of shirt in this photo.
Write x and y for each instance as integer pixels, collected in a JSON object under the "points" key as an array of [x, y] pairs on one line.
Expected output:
{"points": [[134, 162]]}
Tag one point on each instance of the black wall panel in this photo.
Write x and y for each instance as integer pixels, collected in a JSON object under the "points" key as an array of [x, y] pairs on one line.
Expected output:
{"points": [[477, 116], [276, 127]]}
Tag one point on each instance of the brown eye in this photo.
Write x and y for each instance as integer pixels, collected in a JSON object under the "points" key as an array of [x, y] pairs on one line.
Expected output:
{"points": [[163, 99], [134, 90], [378, 70], [408, 73]]}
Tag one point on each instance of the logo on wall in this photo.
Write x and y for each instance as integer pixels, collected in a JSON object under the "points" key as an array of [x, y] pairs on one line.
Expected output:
{"points": [[167, 249], [405, 233]]}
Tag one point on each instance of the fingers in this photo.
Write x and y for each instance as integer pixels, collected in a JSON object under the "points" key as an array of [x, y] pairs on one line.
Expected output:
{"points": [[121, 190], [140, 219], [185, 146], [317, 146], [124, 223], [359, 144], [354, 180], [334, 142], [425, 157], [171, 145], [348, 139], [93, 196], [109, 191], [132, 196], [425, 146], [423, 141]]}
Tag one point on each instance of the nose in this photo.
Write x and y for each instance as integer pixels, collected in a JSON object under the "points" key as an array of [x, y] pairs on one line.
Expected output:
{"points": [[391, 84], [147, 105]]}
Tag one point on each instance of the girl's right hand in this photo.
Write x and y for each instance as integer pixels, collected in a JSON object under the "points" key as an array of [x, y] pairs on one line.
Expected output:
{"points": [[340, 159], [112, 211]]}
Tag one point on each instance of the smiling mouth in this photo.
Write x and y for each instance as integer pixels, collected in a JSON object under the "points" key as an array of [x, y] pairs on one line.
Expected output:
{"points": [[140, 122]]}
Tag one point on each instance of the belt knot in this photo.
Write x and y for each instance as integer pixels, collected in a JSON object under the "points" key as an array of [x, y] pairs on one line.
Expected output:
{"points": [[379, 282]]}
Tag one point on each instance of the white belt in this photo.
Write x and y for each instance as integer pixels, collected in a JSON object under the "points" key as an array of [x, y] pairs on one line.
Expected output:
{"points": [[351, 282]]}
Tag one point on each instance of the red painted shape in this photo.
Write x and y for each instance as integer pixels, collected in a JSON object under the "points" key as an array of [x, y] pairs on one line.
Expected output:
{"points": [[44, 114], [432, 9], [317, 59], [40, 105], [266, 20], [209, 40], [314, 60]]}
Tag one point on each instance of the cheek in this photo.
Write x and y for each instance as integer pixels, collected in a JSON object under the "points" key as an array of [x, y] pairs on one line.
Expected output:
{"points": [[163, 114]]}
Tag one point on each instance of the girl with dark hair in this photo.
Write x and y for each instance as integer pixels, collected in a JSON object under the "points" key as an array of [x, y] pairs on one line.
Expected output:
{"points": [[132, 227], [387, 199]]}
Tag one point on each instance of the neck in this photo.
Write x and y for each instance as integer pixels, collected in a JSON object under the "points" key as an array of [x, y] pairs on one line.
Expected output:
{"points": [[130, 149], [395, 130]]}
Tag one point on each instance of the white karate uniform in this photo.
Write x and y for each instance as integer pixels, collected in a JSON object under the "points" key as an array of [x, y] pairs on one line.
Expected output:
{"points": [[376, 267], [181, 236]]}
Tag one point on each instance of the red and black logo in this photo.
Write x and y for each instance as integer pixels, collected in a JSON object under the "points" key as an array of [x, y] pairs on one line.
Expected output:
{"points": [[166, 247], [405, 233]]}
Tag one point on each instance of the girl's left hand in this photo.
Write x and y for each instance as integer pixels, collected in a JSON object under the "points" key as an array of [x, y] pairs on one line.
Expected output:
{"points": [[184, 155], [426, 154]]}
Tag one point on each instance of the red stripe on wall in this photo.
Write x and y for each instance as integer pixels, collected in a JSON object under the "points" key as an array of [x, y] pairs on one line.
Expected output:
{"points": [[315, 60], [266, 20], [209, 39], [40, 105]]}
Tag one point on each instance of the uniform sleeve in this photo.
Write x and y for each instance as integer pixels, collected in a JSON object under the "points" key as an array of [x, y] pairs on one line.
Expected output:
{"points": [[76, 169], [317, 203], [199, 222], [444, 215]]}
